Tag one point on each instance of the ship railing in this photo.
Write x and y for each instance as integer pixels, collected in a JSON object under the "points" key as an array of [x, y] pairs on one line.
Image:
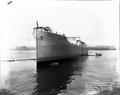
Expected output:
{"points": [[56, 32], [48, 29]]}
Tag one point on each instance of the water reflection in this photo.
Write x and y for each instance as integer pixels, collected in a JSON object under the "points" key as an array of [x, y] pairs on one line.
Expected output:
{"points": [[51, 80], [4, 75], [4, 68], [4, 71]]}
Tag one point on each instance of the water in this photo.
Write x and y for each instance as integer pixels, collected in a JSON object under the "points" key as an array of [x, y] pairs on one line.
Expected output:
{"points": [[82, 76]]}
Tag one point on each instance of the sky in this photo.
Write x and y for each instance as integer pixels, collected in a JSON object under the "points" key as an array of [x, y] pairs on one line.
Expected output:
{"points": [[96, 22]]}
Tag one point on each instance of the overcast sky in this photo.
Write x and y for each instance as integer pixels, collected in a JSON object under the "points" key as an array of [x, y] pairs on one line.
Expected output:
{"points": [[96, 22]]}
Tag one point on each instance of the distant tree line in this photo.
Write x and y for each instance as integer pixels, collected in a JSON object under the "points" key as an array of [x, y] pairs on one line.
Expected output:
{"points": [[101, 48], [24, 48], [89, 47]]}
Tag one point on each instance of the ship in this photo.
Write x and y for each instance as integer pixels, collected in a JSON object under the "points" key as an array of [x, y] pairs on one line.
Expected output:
{"points": [[52, 46]]}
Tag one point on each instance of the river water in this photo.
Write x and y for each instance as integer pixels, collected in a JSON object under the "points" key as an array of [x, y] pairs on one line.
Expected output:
{"points": [[88, 75]]}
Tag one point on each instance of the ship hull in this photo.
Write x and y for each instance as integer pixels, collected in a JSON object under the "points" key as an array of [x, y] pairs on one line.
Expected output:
{"points": [[53, 47], [52, 53]]}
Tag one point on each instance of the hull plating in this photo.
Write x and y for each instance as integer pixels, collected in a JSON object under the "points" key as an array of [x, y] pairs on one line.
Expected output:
{"points": [[52, 46]]}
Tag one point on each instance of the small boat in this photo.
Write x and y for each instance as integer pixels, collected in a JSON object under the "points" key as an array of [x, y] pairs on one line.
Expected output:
{"points": [[94, 54], [98, 54]]}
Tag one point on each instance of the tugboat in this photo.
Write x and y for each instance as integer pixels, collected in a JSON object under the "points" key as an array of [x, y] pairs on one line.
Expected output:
{"points": [[51, 46]]}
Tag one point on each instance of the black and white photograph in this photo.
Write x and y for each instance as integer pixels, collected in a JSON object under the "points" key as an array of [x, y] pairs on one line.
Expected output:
{"points": [[59, 47]]}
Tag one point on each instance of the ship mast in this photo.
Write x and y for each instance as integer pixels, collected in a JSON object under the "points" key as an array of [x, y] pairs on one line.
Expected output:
{"points": [[37, 23], [36, 39]]}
